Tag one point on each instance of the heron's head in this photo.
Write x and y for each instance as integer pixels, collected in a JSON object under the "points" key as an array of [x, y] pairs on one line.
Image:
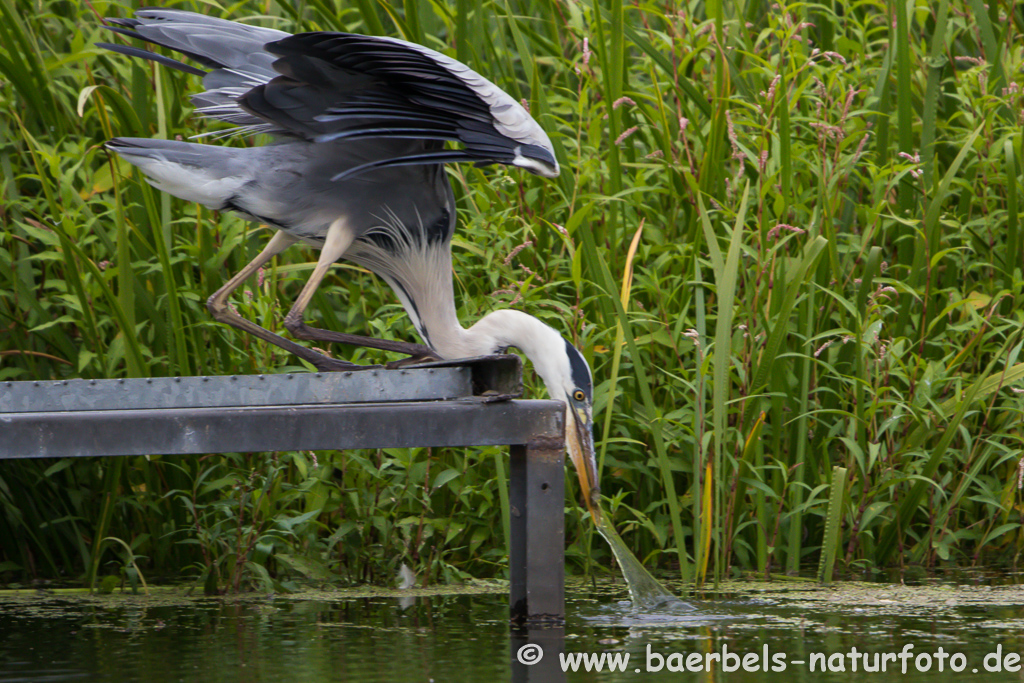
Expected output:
{"points": [[567, 376]]}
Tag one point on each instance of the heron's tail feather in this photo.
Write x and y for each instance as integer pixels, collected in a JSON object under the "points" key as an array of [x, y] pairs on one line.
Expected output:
{"points": [[206, 174]]}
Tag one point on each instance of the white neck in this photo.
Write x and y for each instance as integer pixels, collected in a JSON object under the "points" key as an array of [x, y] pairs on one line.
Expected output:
{"points": [[438, 324], [541, 344], [422, 280], [494, 332]]}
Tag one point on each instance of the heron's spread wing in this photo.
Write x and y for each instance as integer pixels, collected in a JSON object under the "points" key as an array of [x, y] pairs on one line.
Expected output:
{"points": [[333, 87], [392, 88]]}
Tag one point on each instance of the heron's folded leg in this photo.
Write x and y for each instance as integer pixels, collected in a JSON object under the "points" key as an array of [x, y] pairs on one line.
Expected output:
{"points": [[338, 240], [221, 311]]}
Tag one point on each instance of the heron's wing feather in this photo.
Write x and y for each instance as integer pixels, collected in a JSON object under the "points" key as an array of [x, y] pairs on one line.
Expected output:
{"points": [[325, 87], [152, 56], [362, 86], [443, 156], [233, 52]]}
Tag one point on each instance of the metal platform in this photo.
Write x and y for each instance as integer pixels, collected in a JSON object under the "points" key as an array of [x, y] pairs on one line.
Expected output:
{"points": [[441, 404]]}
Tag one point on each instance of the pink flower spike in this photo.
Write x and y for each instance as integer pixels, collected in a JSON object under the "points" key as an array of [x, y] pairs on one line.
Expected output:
{"points": [[629, 131], [515, 252]]}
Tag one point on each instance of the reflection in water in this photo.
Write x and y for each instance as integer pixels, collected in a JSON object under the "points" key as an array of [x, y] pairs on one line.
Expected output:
{"points": [[536, 655]]}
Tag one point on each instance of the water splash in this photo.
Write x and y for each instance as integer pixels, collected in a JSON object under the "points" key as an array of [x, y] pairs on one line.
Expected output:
{"points": [[646, 592]]}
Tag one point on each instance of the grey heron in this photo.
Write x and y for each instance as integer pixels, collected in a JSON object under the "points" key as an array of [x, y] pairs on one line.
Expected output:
{"points": [[356, 171]]}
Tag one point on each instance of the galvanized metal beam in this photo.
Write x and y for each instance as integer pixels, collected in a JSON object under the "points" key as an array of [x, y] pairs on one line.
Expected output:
{"points": [[497, 377], [464, 422], [236, 390], [489, 376]]}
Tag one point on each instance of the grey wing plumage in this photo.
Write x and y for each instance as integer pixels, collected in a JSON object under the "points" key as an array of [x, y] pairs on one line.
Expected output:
{"points": [[324, 87], [400, 89], [234, 52]]}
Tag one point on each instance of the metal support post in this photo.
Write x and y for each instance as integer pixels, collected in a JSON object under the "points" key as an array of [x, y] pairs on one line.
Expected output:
{"points": [[537, 557]]}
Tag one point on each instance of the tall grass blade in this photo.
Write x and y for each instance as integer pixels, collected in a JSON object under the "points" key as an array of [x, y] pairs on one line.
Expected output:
{"points": [[1013, 243], [812, 252], [830, 545], [627, 286], [726, 276], [904, 104], [937, 65], [707, 510]]}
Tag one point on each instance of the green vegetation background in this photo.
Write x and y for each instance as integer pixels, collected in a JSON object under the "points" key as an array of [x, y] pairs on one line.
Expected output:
{"points": [[787, 238]]}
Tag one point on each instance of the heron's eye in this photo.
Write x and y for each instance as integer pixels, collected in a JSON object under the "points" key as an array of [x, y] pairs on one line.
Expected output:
{"points": [[579, 396]]}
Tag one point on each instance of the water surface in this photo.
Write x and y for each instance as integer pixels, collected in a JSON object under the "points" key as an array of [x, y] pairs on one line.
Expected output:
{"points": [[342, 637]]}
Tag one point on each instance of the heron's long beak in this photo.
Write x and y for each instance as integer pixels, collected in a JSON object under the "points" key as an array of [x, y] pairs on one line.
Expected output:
{"points": [[579, 439]]}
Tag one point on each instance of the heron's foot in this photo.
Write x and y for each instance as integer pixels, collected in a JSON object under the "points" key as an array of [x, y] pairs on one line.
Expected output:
{"points": [[326, 364], [412, 361], [300, 330]]}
